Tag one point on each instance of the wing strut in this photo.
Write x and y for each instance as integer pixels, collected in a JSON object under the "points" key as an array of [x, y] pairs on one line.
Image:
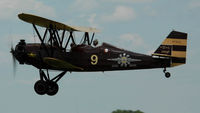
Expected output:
{"points": [[55, 39], [63, 35], [92, 38], [87, 38], [71, 37], [38, 34], [45, 33]]}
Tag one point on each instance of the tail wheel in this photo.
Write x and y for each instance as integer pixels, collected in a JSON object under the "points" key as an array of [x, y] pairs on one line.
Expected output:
{"points": [[40, 87], [167, 74], [52, 88]]}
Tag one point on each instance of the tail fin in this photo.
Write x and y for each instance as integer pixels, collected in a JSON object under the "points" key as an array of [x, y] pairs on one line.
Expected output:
{"points": [[174, 46]]}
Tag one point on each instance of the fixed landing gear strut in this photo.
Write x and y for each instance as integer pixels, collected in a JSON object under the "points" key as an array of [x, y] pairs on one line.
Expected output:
{"points": [[167, 74], [46, 85]]}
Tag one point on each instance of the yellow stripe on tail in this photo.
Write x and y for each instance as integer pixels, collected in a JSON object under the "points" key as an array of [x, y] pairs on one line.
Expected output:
{"points": [[174, 46]]}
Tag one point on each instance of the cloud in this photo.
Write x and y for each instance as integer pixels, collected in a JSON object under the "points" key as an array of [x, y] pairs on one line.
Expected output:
{"points": [[15, 38], [135, 39], [130, 1], [132, 41], [10, 8], [84, 5], [121, 13], [150, 52], [150, 11], [194, 4], [92, 19]]}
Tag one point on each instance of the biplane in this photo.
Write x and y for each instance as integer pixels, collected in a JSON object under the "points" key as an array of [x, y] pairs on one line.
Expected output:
{"points": [[58, 51]]}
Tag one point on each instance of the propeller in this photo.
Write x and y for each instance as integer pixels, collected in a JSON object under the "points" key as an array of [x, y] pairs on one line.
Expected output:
{"points": [[14, 63], [14, 60]]}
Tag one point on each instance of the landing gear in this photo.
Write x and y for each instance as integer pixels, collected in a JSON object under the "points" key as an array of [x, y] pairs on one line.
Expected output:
{"points": [[52, 88], [40, 87], [46, 85], [167, 74]]}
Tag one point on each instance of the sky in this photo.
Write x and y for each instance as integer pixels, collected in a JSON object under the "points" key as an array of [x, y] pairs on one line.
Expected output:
{"points": [[136, 25]]}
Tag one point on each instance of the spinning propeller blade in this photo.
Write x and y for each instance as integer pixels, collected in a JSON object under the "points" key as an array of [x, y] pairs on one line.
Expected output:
{"points": [[14, 60]]}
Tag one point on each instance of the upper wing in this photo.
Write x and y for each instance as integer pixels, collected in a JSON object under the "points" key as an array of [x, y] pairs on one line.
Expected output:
{"points": [[57, 63], [43, 22]]}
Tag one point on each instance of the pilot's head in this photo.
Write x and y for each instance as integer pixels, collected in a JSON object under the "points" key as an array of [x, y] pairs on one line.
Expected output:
{"points": [[72, 45], [95, 42]]}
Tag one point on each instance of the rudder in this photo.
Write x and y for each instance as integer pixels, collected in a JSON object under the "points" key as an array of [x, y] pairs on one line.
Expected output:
{"points": [[174, 46]]}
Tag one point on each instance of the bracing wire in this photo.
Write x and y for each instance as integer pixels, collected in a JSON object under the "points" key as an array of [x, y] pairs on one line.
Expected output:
{"points": [[34, 36]]}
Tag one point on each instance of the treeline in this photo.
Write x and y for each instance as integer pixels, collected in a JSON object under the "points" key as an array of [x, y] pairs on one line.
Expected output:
{"points": [[127, 111]]}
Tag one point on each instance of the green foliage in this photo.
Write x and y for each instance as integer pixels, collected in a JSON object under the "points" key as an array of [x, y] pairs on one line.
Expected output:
{"points": [[127, 111]]}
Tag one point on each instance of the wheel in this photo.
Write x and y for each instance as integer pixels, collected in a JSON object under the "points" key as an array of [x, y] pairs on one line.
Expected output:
{"points": [[167, 74], [52, 88], [40, 87]]}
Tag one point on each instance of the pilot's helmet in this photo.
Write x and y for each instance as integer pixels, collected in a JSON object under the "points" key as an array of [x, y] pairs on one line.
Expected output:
{"points": [[95, 42]]}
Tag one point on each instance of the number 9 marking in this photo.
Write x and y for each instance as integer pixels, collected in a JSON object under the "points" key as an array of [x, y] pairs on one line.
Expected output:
{"points": [[94, 59]]}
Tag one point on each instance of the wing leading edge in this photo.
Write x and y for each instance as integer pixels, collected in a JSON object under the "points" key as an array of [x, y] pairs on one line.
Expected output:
{"points": [[43, 22]]}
